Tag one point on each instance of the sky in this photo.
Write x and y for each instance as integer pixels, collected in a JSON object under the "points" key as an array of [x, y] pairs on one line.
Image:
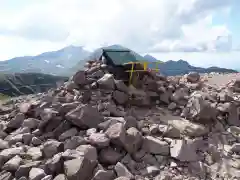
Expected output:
{"points": [[203, 32]]}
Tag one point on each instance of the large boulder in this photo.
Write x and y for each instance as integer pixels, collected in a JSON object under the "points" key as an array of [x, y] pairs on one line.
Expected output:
{"points": [[79, 78], [80, 168], [185, 127], [107, 82], [193, 77], [120, 97], [236, 85], [183, 150], [85, 116], [109, 156], [199, 109], [133, 140], [155, 146], [117, 134]]}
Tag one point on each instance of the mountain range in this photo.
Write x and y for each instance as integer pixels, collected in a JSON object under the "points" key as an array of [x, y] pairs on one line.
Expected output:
{"points": [[54, 62], [68, 60]]}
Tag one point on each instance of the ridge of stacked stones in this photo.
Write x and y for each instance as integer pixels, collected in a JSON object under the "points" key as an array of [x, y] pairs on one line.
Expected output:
{"points": [[95, 127]]}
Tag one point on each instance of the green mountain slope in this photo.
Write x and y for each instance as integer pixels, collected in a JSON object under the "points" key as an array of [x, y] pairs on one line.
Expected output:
{"points": [[27, 83]]}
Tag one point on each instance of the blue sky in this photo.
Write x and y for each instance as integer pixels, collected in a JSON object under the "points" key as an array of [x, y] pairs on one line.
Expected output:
{"points": [[203, 32]]}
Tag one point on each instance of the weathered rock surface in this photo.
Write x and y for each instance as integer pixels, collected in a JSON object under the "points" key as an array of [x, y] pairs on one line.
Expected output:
{"points": [[95, 127]]}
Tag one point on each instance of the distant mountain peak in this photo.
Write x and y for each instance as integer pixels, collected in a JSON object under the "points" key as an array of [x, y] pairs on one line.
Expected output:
{"points": [[182, 62], [148, 55], [150, 58]]}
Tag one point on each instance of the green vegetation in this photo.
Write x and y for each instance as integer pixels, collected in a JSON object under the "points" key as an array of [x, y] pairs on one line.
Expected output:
{"points": [[4, 97], [27, 83]]}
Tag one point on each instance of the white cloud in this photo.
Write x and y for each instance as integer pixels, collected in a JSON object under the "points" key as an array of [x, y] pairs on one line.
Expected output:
{"points": [[144, 26], [198, 37]]}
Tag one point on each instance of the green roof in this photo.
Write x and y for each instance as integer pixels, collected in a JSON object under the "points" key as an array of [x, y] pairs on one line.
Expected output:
{"points": [[120, 57]]}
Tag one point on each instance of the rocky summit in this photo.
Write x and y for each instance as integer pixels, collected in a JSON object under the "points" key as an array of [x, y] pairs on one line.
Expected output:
{"points": [[96, 127]]}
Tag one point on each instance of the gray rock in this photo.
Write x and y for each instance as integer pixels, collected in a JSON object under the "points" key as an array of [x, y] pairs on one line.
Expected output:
{"points": [[103, 175], [66, 107], [34, 153], [74, 142], [130, 122], [25, 107], [52, 147], [200, 110], [60, 177], [37, 132], [70, 86], [198, 169], [172, 106], [120, 97], [165, 97], [3, 144], [13, 139], [169, 131], [98, 74], [109, 156], [235, 148], [150, 159], [155, 146], [114, 111], [154, 129], [117, 133], [85, 116], [31, 123], [188, 128], [4, 175], [68, 134], [122, 178], [233, 117], [27, 138], [17, 121], [99, 139], [23, 170], [21, 130], [152, 170], [88, 151], [106, 82], [36, 174], [47, 114], [55, 164], [81, 168], [236, 85], [7, 154], [180, 95], [234, 130], [139, 155], [193, 77], [133, 140], [91, 131], [121, 170], [224, 97], [120, 85], [183, 150], [61, 128], [22, 178], [110, 121], [13, 164], [48, 177], [70, 154], [36, 141], [3, 134], [79, 78]]}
